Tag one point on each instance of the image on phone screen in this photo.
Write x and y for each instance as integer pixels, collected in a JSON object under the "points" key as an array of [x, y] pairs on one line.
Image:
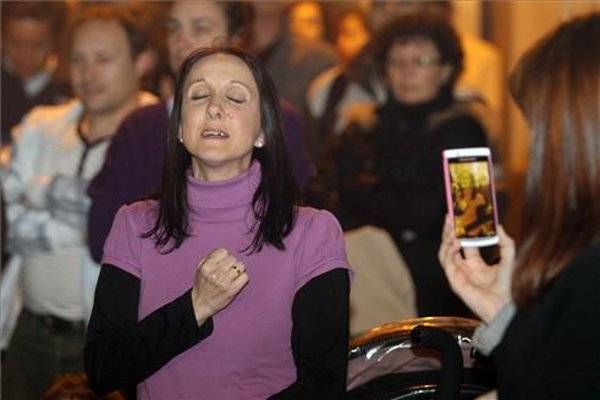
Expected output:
{"points": [[471, 188]]}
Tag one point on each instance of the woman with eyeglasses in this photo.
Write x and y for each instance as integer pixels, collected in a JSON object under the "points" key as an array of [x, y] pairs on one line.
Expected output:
{"points": [[386, 169]]}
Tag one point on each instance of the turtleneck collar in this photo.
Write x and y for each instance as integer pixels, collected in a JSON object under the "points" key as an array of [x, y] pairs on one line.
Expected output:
{"points": [[223, 200]]}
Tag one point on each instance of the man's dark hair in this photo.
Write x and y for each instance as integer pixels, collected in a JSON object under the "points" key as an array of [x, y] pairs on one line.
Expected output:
{"points": [[240, 20], [51, 12], [137, 36]]}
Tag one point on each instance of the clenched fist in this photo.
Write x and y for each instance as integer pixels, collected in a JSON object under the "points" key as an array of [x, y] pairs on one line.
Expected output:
{"points": [[219, 278]]}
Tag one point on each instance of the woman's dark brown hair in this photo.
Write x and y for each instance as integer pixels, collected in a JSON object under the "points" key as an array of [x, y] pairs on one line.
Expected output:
{"points": [[275, 200], [557, 86], [421, 25]]}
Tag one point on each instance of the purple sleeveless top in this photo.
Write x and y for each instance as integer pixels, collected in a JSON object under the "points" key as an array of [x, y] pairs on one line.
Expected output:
{"points": [[249, 354]]}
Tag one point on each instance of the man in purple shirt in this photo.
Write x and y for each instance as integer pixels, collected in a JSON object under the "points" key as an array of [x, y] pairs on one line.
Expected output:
{"points": [[133, 166]]}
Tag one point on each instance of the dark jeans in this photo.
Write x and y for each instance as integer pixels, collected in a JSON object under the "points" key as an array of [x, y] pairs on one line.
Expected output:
{"points": [[39, 350]]}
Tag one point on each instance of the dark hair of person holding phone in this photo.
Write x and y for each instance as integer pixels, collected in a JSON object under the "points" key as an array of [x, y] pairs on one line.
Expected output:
{"points": [[222, 287], [540, 308]]}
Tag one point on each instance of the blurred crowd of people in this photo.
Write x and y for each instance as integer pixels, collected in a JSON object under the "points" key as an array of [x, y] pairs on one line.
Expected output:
{"points": [[370, 93]]}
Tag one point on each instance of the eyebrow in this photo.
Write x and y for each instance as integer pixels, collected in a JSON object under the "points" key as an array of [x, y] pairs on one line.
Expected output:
{"points": [[197, 80], [250, 89], [200, 80]]}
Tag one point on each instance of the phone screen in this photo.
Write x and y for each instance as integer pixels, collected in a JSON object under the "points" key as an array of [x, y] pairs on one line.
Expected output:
{"points": [[471, 188]]}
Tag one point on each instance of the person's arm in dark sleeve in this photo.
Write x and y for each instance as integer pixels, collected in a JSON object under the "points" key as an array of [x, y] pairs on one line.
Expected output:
{"points": [[320, 338], [121, 352], [132, 170], [294, 131], [105, 194]]}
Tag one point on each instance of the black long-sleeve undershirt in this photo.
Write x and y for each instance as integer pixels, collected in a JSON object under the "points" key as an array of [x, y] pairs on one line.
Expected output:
{"points": [[320, 314], [122, 352]]}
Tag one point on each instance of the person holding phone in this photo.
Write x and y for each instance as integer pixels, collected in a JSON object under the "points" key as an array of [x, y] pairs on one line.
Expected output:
{"points": [[540, 307], [222, 287]]}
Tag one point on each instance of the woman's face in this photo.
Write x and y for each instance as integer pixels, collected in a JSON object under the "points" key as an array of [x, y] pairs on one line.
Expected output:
{"points": [[306, 21], [220, 117], [352, 36], [414, 72], [192, 25]]}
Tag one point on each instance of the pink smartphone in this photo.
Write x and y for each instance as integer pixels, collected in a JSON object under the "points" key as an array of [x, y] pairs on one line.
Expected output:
{"points": [[471, 196]]}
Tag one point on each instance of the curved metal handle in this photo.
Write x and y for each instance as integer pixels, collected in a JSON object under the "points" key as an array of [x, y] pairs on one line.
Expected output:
{"points": [[452, 363]]}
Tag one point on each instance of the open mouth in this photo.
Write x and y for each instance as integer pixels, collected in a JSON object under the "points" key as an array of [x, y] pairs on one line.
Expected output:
{"points": [[215, 133]]}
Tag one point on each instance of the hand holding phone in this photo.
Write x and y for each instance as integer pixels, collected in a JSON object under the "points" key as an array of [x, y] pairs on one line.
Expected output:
{"points": [[484, 287], [470, 195]]}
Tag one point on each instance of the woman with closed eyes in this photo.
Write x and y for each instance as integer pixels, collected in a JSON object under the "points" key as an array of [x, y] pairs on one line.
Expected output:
{"points": [[222, 287]]}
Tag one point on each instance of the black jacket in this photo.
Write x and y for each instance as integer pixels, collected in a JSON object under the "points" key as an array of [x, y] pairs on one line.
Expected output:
{"points": [[391, 176], [551, 350]]}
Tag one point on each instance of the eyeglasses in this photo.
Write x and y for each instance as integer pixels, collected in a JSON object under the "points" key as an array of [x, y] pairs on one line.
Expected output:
{"points": [[422, 61]]}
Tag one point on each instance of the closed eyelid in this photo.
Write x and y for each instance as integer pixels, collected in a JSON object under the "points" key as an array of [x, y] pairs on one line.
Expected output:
{"points": [[199, 96], [237, 93], [198, 90], [236, 99], [240, 91]]}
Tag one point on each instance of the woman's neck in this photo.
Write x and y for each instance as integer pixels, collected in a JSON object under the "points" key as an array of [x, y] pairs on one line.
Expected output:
{"points": [[441, 101], [216, 173], [224, 199]]}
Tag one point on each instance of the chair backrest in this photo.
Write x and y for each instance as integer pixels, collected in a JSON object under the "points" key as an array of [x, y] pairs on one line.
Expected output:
{"points": [[382, 288]]}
